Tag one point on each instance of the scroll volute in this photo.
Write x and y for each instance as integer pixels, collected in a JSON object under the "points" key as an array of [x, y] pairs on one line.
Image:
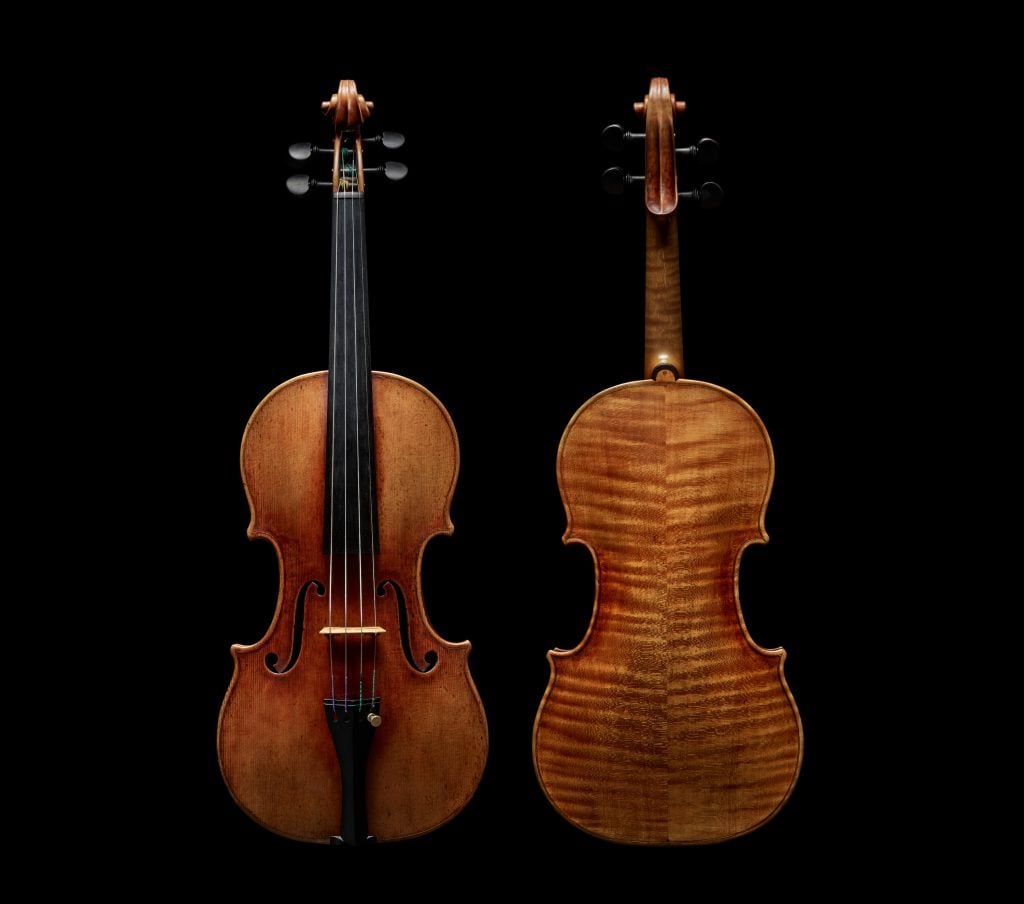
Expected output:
{"points": [[349, 109], [659, 108]]}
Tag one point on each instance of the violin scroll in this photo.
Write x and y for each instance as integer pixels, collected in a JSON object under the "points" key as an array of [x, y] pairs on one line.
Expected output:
{"points": [[349, 107], [658, 109]]}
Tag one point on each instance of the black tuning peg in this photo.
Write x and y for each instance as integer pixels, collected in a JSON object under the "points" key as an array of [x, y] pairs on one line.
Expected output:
{"points": [[302, 151], [709, 195], [615, 137], [615, 180], [392, 170], [301, 184], [390, 140], [704, 151]]}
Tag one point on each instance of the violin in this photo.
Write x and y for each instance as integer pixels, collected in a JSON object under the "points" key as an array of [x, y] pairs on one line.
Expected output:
{"points": [[667, 724], [351, 720]]}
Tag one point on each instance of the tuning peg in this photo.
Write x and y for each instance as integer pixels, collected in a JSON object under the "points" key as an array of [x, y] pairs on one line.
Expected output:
{"points": [[709, 195], [615, 180], [615, 137], [704, 151], [390, 140], [302, 151], [392, 170], [301, 184]]}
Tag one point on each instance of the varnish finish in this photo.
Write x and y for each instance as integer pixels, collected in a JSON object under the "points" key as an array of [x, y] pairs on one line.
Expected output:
{"points": [[668, 724], [351, 721], [276, 754], [663, 321]]}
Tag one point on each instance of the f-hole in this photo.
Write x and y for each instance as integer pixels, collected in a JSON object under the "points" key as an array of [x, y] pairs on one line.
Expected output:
{"points": [[430, 657], [300, 615]]}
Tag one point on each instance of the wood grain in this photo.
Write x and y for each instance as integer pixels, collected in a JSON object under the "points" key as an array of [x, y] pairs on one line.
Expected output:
{"points": [[667, 724], [275, 750], [663, 322], [660, 192]]}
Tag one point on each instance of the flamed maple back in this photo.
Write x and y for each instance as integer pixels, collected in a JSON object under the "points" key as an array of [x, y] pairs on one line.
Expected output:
{"points": [[667, 724]]}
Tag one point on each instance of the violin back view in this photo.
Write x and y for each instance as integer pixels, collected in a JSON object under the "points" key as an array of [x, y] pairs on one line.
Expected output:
{"points": [[667, 724]]}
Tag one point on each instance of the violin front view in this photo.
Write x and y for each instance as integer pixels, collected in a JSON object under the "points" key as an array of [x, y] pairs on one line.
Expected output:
{"points": [[667, 724], [351, 720]]}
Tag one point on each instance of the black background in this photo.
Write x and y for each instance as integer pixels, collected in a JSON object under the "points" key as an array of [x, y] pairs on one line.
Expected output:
{"points": [[507, 283]]}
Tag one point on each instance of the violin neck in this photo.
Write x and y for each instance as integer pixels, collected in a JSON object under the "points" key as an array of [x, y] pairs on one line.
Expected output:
{"points": [[350, 497], [663, 324]]}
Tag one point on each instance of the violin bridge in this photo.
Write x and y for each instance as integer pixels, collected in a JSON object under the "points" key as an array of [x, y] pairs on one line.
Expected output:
{"points": [[369, 629]]}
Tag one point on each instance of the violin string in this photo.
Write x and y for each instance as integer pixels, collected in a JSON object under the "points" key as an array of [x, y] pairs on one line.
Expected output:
{"points": [[345, 219], [367, 384], [330, 476], [359, 468]]}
